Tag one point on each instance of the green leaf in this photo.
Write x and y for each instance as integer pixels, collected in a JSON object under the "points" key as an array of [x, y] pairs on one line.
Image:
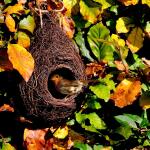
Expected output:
{"points": [[147, 27], [146, 142], [101, 50], [27, 24], [126, 121], [102, 90], [81, 43], [90, 122], [114, 9], [148, 134], [7, 1], [123, 24], [93, 104], [7, 146], [125, 131], [90, 10], [82, 146]]}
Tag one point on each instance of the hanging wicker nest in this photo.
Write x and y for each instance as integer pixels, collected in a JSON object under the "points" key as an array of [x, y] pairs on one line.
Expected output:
{"points": [[53, 52]]}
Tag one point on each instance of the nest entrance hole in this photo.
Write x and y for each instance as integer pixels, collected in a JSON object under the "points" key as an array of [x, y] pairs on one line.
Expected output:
{"points": [[65, 73]]}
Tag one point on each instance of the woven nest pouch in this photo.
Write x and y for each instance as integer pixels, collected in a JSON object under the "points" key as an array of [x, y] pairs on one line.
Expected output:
{"points": [[53, 52]]}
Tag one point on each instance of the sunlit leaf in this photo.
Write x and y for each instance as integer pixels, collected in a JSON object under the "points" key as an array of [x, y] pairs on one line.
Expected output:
{"points": [[123, 24], [147, 29], [94, 121], [61, 132], [7, 146], [27, 24], [10, 23], [105, 4], [23, 39], [102, 89], [135, 39], [81, 43], [129, 2], [100, 49], [21, 59], [69, 4], [90, 10], [147, 2], [15, 9], [126, 92]]}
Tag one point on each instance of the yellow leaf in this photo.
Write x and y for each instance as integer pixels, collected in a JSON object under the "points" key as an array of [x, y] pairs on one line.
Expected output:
{"points": [[90, 13], [129, 2], [21, 59], [117, 39], [145, 101], [123, 24], [16, 9], [23, 39], [147, 2], [61, 133], [135, 39], [10, 23]]}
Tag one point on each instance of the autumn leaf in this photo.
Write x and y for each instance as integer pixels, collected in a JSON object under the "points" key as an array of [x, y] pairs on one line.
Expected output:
{"points": [[120, 66], [126, 92], [35, 139], [90, 10], [23, 39], [105, 4], [69, 4], [129, 2], [135, 39], [7, 146], [124, 24], [21, 59], [6, 107], [27, 24], [5, 64], [67, 25], [10, 23], [94, 69], [16, 9]]}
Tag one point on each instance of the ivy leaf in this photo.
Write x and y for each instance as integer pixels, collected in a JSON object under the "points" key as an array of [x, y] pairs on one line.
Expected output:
{"points": [[81, 43], [135, 39], [21, 59], [147, 2], [16, 9], [90, 122], [23, 39], [124, 24], [90, 10], [101, 50], [10, 23], [126, 121], [125, 131], [27, 24], [102, 90], [69, 4]]}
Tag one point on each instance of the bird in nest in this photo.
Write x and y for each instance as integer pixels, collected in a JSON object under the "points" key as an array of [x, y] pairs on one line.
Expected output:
{"points": [[68, 87]]}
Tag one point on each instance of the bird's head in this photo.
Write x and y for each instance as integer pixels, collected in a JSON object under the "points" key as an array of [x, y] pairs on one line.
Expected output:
{"points": [[56, 78]]}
